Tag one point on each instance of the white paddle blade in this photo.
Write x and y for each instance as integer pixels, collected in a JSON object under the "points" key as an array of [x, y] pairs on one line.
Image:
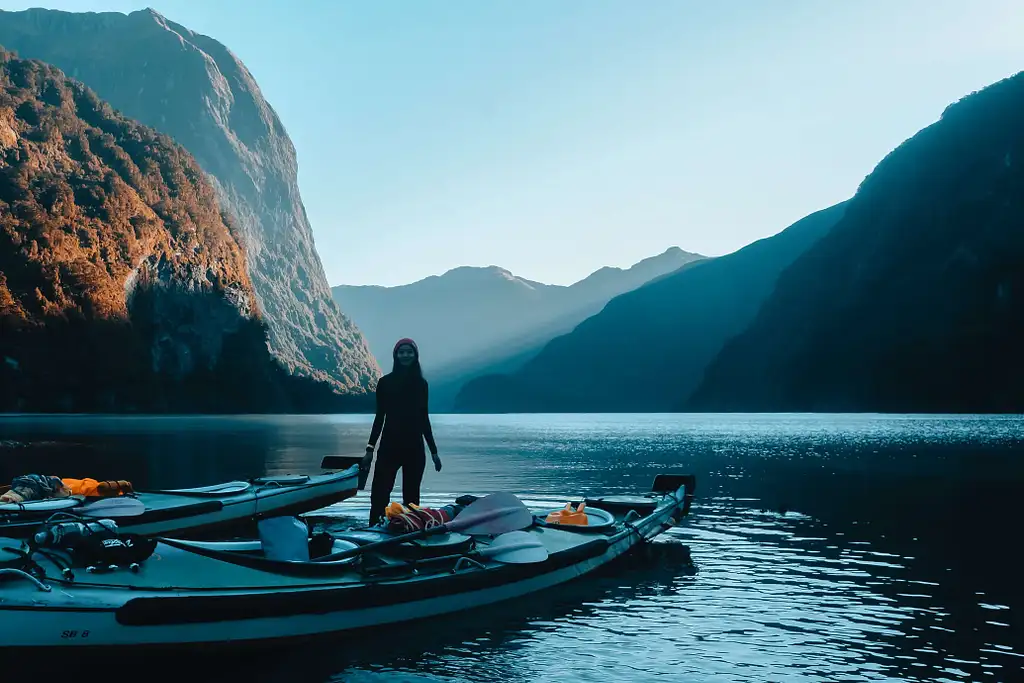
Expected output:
{"points": [[496, 514], [515, 547], [114, 507]]}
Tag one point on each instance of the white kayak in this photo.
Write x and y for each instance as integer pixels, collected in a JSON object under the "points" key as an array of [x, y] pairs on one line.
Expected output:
{"points": [[194, 593], [194, 510]]}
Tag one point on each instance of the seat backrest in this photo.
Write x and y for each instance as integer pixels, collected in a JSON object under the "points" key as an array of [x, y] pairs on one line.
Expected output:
{"points": [[284, 539]]}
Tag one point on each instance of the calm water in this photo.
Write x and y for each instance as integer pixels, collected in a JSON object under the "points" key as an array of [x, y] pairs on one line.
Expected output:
{"points": [[828, 548]]}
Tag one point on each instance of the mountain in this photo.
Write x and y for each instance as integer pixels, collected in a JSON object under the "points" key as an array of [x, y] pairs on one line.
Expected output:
{"points": [[470, 317], [915, 300], [122, 284], [195, 90], [649, 346]]}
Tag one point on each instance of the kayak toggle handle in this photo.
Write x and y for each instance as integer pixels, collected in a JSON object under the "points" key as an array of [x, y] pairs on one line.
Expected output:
{"points": [[25, 575], [466, 560]]}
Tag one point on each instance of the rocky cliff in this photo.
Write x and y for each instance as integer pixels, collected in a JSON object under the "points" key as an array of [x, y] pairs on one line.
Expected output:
{"points": [[122, 286], [195, 90], [914, 302], [650, 346]]}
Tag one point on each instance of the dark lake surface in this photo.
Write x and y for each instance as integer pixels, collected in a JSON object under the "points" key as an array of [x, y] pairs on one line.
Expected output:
{"points": [[827, 547]]}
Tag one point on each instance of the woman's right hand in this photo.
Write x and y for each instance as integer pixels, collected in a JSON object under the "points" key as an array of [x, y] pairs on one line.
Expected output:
{"points": [[367, 459]]}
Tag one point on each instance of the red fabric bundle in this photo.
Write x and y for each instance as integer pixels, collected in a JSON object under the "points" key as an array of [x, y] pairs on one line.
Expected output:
{"points": [[417, 519]]}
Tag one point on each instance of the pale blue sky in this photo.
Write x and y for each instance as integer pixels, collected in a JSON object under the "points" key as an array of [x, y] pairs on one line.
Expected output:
{"points": [[552, 137]]}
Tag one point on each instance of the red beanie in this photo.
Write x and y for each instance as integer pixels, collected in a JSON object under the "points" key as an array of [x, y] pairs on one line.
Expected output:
{"points": [[408, 341]]}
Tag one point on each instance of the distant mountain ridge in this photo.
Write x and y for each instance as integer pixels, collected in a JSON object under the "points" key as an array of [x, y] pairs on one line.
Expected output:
{"points": [[193, 89], [469, 312], [906, 298], [649, 346]]}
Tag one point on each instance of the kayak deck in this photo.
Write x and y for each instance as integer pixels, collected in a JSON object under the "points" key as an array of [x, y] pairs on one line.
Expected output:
{"points": [[177, 510], [185, 566], [173, 568]]}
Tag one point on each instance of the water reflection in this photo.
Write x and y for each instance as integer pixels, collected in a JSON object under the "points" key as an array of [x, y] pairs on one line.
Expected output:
{"points": [[847, 548], [150, 452], [168, 452]]}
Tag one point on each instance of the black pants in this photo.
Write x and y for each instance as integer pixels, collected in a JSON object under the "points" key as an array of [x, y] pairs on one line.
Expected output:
{"points": [[412, 466]]}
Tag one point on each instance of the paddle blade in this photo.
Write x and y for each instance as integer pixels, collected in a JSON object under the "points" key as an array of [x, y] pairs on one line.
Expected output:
{"points": [[339, 462], [343, 462], [667, 483], [114, 507], [515, 547], [497, 513]]}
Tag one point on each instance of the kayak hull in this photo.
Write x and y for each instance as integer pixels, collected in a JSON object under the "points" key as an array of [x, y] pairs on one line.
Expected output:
{"points": [[75, 628], [242, 605]]}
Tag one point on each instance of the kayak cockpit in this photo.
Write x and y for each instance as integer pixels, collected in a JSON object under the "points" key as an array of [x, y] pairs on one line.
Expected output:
{"points": [[253, 555]]}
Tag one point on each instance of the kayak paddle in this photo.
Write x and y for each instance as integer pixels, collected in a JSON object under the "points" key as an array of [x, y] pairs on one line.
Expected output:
{"points": [[513, 547], [119, 506], [668, 483], [343, 462], [339, 462], [495, 514]]}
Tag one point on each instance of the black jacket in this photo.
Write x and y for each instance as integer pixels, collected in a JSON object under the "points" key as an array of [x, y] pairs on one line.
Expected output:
{"points": [[402, 421]]}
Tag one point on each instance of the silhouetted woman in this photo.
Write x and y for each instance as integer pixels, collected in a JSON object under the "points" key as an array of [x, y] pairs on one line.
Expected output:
{"points": [[402, 422]]}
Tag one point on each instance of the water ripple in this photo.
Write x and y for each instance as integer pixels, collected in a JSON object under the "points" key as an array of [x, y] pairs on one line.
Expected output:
{"points": [[828, 548]]}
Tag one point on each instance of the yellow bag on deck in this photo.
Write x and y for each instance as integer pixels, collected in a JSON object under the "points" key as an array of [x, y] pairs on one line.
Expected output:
{"points": [[394, 509], [101, 489], [568, 515]]}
